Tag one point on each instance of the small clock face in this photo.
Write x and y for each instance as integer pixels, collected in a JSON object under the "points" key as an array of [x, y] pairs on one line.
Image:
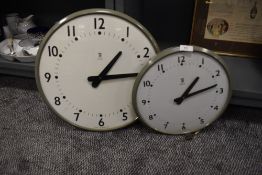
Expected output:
{"points": [[87, 65], [181, 92]]}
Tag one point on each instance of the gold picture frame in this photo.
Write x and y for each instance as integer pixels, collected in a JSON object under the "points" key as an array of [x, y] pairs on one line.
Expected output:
{"points": [[228, 27]]}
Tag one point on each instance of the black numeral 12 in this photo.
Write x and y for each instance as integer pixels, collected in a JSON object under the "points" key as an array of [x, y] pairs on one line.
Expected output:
{"points": [[181, 60], [101, 25]]}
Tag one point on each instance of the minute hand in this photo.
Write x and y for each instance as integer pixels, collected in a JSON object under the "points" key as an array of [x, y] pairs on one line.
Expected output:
{"points": [[200, 91], [110, 77]]}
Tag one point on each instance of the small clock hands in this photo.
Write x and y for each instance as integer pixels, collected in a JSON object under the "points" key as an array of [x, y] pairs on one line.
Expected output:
{"points": [[187, 93], [200, 91], [100, 77], [180, 99], [110, 77]]}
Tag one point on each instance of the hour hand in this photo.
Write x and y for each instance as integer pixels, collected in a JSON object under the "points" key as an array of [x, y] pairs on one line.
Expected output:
{"points": [[110, 77], [97, 81], [180, 99]]}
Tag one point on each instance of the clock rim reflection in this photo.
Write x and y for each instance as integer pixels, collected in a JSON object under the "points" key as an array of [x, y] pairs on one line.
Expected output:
{"points": [[61, 23], [162, 55]]}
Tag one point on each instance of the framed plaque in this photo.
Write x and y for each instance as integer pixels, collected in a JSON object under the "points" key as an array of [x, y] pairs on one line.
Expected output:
{"points": [[228, 27]]}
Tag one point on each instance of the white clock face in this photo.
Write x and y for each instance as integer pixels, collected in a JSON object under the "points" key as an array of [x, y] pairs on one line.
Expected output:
{"points": [[87, 66], [182, 92]]}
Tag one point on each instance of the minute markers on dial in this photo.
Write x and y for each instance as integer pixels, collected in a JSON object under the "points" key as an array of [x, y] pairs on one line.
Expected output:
{"points": [[114, 76]]}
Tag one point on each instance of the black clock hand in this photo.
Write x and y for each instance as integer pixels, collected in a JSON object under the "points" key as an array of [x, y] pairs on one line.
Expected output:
{"points": [[99, 78], [200, 91], [115, 76], [180, 99]]}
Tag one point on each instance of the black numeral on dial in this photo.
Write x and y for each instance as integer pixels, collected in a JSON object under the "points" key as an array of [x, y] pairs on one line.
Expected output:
{"points": [[183, 126], [99, 23], [145, 102], [165, 125], [147, 83], [71, 31], [57, 101], [52, 51], [221, 90], [146, 52], [124, 116], [77, 115], [47, 76], [150, 117], [215, 107], [217, 73], [181, 60], [160, 68], [101, 122], [127, 31], [202, 121]]}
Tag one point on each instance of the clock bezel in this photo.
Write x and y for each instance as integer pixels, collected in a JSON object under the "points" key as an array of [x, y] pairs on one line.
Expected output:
{"points": [[71, 17], [163, 54]]}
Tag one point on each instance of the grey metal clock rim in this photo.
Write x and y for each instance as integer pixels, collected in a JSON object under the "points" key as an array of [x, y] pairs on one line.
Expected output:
{"points": [[161, 56], [69, 18]]}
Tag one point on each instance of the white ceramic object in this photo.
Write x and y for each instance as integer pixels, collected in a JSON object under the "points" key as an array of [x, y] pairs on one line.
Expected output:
{"points": [[12, 20], [20, 36], [25, 24], [5, 52], [19, 55]]}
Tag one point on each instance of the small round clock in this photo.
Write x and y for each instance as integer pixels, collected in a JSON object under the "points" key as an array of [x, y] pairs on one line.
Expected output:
{"points": [[182, 90], [87, 64]]}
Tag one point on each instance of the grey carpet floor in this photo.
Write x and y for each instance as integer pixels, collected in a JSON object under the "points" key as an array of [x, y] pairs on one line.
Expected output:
{"points": [[34, 141]]}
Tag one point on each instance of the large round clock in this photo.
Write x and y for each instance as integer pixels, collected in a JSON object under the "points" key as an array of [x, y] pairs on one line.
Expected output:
{"points": [[182, 90], [87, 64]]}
